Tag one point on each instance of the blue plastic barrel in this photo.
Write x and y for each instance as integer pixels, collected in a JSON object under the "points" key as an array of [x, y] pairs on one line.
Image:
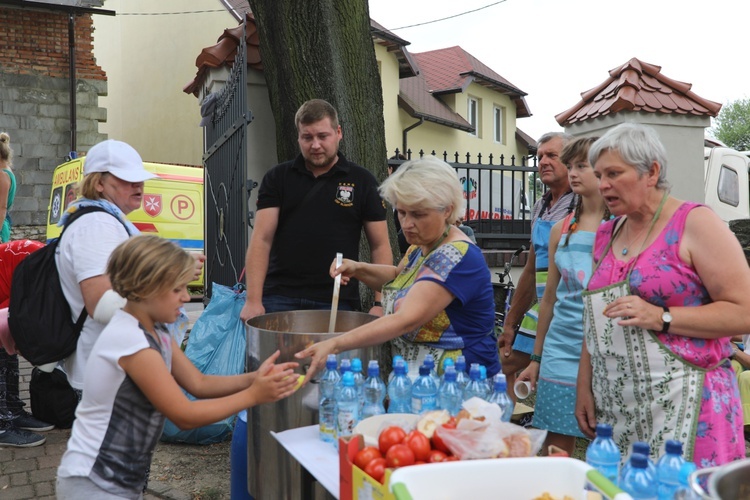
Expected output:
{"points": [[238, 459]]}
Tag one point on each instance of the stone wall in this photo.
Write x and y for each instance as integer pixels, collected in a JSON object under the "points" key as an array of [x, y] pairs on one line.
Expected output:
{"points": [[35, 104]]}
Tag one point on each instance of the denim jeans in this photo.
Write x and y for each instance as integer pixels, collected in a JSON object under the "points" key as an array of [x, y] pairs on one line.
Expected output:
{"points": [[280, 303]]}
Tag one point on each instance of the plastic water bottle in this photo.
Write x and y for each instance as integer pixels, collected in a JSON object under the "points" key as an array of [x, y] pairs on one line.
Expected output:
{"points": [[393, 366], [500, 397], [345, 365], [462, 378], [685, 491], [327, 402], [475, 387], [638, 481], [643, 449], [359, 381], [374, 392], [446, 363], [424, 392], [668, 469], [429, 361], [483, 378], [450, 395], [399, 390], [347, 405], [603, 453]]}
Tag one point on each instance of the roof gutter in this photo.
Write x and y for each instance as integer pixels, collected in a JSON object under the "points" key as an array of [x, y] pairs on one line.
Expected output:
{"points": [[406, 131]]}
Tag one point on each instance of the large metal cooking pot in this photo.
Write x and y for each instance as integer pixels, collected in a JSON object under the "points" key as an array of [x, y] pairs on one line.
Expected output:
{"points": [[726, 482], [272, 472]]}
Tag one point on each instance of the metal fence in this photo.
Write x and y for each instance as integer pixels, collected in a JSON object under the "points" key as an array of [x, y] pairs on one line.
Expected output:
{"points": [[225, 178], [499, 196]]}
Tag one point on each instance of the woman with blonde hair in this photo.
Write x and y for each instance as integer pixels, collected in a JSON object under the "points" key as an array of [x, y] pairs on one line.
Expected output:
{"points": [[17, 426], [438, 300], [136, 374], [112, 186], [7, 186]]}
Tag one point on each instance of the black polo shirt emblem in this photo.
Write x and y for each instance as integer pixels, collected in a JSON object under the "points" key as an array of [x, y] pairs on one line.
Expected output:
{"points": [[345, 195]]}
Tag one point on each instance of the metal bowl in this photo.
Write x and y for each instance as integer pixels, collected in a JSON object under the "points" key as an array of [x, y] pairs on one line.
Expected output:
{"points": [[726, 482]]}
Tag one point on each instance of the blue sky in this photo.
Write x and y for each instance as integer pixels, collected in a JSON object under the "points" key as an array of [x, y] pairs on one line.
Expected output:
{"points": [[556, 49]]}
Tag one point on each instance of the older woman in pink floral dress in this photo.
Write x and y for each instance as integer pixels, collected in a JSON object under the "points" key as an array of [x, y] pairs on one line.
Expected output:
{"points": [[670, 286]]}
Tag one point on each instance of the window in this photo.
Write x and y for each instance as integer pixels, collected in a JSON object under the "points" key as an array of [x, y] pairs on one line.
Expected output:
{"points": [[729, 186], [472, 116], [498, 117]]}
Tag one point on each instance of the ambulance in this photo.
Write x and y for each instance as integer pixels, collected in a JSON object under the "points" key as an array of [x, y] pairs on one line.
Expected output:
{"points": [[172, 204]]}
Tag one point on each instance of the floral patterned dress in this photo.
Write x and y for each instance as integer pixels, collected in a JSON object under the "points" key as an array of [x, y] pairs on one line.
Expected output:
{"points": [[466, 326], [661, 277]]}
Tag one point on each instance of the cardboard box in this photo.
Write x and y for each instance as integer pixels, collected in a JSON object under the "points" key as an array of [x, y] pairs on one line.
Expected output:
{"points": [[354, 483]]}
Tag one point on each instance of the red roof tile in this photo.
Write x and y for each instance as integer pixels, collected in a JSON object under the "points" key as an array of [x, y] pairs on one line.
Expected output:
{"points": [[417, 100], [638, 86], [526, 139], [224, 52], [407, 66], [446, 71]]}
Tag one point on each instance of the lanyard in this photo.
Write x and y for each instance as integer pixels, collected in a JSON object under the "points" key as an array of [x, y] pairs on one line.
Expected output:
{"points": [[631, 264]]}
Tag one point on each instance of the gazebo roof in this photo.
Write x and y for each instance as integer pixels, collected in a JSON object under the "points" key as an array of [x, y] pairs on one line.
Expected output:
{"points": [[638, 86]]}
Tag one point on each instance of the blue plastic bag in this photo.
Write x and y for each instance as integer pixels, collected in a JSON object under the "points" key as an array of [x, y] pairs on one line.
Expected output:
{"points": [[216, 346]]}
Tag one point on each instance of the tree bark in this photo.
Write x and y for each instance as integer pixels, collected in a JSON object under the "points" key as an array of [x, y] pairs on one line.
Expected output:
{"points": [[323, 49]]}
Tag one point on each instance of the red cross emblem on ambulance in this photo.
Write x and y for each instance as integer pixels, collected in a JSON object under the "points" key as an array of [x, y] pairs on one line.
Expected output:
{"points": [[152, 204]]}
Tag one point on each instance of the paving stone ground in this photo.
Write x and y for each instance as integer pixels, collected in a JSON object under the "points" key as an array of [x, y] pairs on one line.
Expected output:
{"points": [[29, 473]]}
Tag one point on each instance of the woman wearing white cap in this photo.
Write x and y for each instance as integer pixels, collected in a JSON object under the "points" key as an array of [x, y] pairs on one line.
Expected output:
{"points": [[113, 183]]}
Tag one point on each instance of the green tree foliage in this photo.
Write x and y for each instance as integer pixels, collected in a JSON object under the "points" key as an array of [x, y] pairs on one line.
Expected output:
{"points": [[732, 126]]}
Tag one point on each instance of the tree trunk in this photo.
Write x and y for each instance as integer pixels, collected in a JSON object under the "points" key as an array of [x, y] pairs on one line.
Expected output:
{"points": [[323, 49]]}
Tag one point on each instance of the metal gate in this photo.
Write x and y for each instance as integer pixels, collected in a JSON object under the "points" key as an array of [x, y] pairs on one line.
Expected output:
{"points": [[225, 178]]}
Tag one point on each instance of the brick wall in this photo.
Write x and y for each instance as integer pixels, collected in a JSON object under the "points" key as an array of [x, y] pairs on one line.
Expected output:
{"points": [[36, 43], [35, 104]]}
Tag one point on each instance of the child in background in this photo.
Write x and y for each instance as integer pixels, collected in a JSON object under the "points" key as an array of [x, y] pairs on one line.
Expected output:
{"points": [[135, 373]]}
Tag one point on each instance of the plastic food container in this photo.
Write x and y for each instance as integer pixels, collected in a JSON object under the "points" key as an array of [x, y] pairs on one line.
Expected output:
{"points": [[507, 478], [370, 427]]}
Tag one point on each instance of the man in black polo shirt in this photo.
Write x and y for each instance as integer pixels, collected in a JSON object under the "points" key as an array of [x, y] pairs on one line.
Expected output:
{"points": [[309, 209]]}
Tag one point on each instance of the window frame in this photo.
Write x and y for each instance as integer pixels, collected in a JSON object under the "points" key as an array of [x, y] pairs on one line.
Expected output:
{"points": [[472, 116]]}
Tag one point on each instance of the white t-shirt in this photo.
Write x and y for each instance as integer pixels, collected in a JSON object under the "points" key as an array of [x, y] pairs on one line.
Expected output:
{"points": [[116, 428], [83, 253]]}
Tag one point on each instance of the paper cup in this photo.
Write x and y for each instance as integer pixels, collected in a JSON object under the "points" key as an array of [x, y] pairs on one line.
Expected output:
{"points": [[522, 389]]}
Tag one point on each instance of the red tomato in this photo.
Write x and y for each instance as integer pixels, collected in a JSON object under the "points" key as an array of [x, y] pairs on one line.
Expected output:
{"points": [[392, 435], [365, 456], [399, 455], [437, 456], [376, 469], [438, 443], [420, 462], [419, 444]]}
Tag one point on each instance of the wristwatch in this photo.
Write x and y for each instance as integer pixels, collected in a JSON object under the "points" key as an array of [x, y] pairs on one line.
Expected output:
{"points": [[666, 319]]}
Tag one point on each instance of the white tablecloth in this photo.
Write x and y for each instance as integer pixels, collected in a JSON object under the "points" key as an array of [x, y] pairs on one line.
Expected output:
{"points": [[319, 458]]}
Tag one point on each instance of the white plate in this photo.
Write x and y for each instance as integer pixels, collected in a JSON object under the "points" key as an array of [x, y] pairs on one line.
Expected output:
{"points": [[370, 427]]}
